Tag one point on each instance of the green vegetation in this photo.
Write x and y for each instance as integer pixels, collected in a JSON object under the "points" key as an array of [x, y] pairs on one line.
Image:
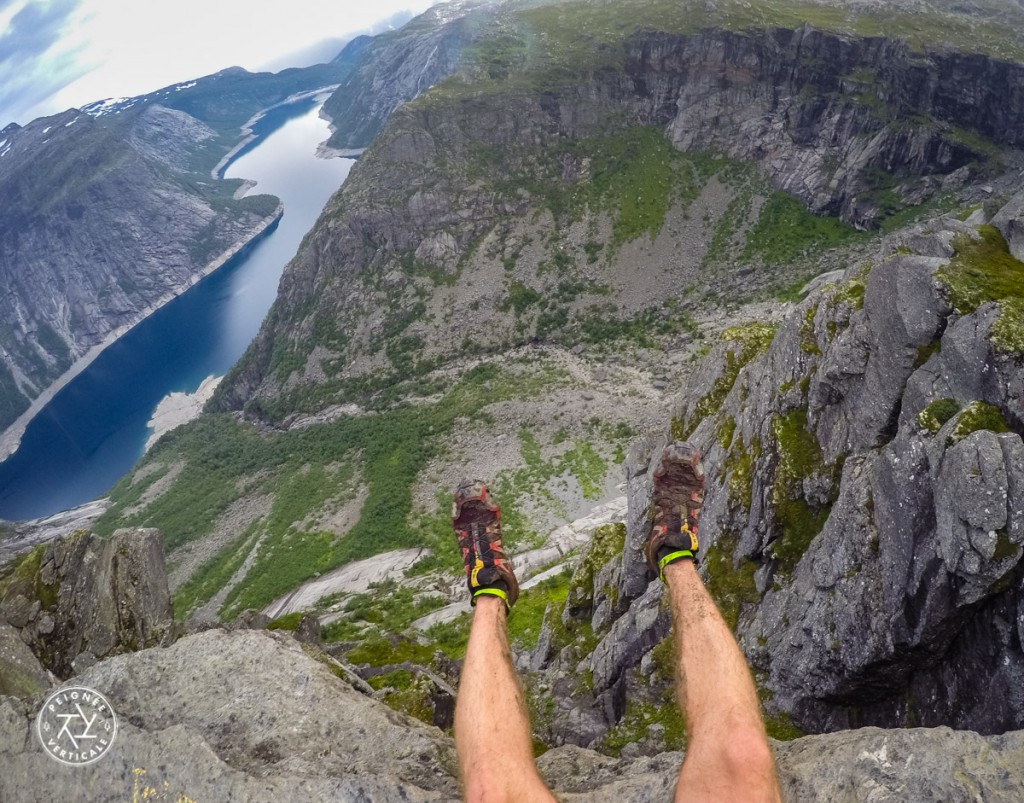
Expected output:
{"points": [[581, 462], [519, 298], [526, 618], [304, 470], [786, 230], [636, 722], [23, 576], [451, 637], [389, 608], [633, 176], [932, 417], [731, 586], [808, 339], [384, 651], [753, 339], [977, 416], [289, 621], [799, 457], [605, 544], [984, 270], [740, 464], [213, 576]]}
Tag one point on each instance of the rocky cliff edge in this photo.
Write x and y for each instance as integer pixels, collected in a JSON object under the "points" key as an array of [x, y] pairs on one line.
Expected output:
{"points": [[255, 715]]}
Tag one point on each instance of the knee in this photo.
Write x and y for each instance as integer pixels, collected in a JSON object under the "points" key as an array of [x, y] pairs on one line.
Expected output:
{"points": [[746, 754]]}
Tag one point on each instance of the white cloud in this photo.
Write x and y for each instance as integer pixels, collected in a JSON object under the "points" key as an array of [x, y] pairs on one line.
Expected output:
{"points": [[78, 51]]}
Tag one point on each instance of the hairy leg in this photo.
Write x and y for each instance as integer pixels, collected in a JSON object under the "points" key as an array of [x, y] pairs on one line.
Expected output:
{"points": [[492, 726], [727, 754]]}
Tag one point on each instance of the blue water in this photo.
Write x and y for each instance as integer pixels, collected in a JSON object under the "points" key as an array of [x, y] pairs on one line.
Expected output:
{"points": [[94, 430]]}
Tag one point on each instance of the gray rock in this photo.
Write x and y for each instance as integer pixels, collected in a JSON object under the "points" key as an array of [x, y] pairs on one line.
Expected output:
{"points": [[18, 611], [113, 596], [899, 765], [281, 725], [972, 492], [1010, 221], [643, 625], [250, 619], [308, 630], [91, 597], [21, 674]]}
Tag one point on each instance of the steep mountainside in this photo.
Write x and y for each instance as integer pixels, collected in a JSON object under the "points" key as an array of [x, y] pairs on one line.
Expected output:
{"points": [[109, 212], [395, 67], [598, 226], [559, 194]]}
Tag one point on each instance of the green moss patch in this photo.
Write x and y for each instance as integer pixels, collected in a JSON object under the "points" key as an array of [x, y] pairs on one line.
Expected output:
{"points": [[740, 468], [638, 718], [932, 417], [383, 651], [289, 621], [984, 270], [977, 416], [24, 577], [799, 457], [730, 585], [786, 230], [752, 340], [527, 617]]}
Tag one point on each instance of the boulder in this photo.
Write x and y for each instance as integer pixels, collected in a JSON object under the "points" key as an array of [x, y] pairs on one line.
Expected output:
{"points": [[21, 674], [81, 598]]}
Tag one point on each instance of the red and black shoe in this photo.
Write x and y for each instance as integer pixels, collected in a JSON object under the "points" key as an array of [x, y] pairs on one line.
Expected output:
{"points": [[678, 496], [476, 519]]}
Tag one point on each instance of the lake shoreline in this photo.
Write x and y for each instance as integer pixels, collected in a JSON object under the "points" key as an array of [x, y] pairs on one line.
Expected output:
{"points": [[10, 438]]}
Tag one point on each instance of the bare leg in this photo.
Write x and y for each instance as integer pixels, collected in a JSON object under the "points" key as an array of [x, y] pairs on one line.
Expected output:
{"points": [[727, 754], [492, 727]]}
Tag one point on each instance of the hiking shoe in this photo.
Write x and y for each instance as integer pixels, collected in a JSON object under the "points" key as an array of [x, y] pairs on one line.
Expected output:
{"points": [[678, 496], [476, 519]]}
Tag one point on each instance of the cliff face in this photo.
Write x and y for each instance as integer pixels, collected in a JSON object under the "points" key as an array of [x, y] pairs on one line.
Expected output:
{"points": [[394, 68], [868, 507], [109, 213], [99, 227], [848, 125], [461, 180]]}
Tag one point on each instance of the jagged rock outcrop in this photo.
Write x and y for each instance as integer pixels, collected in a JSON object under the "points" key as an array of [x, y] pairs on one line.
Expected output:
{"points": [[82, 598], [293, 729], [868, 484]]}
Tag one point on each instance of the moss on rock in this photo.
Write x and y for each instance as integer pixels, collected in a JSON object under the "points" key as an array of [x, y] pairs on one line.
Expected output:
{"points": [[932, 417], [977, 416], [984, 270], [800, 457], [731, 585], [753, 339]]}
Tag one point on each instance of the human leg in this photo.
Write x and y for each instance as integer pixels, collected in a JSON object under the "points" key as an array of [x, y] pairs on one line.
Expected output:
{"points": [[492, 726], [727, 752], [727, 755]]}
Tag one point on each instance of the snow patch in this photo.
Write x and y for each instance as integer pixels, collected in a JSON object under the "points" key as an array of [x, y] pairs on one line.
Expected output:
{"points": [[189, 85], [72, 122], [47, 128], [102, 107]]}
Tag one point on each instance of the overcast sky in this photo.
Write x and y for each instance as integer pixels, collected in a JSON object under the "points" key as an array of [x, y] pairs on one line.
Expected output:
{"points": [[55, 54]]}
